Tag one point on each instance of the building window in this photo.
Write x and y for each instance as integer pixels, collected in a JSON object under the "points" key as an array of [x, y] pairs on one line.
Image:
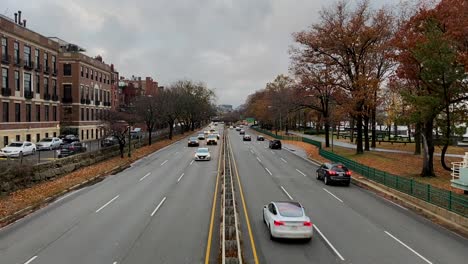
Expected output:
{"points": [[96, 94], [5, 140], [38, 83], [36, 60], [28, 137], [82, 134], [81, 71], [54, 112], [46, 61], [38, 137], [100, 77], [82, 114], [81, 92], [27, 55], [87, 93], [18, 138], [4, 78], [17, 112], [46, 113], [4, 47], [46, 86], [92, 73], [67, 91], [38, 113], [17, 80], [55, 134], [16, 53], [46, 135], [87, 114], [54, 63], [92, 114], [86, 70], [28, 113], [54, 86], [6, 112], [27, 82], [87, 134], [67, 69]]}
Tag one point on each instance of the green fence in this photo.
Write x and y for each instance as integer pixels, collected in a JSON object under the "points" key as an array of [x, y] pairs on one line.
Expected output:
{"points": [[440, 197]]}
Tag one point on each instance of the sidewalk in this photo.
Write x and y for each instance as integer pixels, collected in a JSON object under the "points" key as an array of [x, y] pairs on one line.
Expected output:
{"points": [[352, 146]]}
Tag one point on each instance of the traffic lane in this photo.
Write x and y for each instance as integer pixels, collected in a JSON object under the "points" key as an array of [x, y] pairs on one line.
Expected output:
{"points": [[178, 233], [403, 224], [34, 231], [113, 228], [357, 229], [260, 189]]}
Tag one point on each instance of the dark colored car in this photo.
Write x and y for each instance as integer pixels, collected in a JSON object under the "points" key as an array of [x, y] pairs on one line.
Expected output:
{"points": [[260, 138], [246, 138], [275, 144], [71, 149], [69, 139], [334, 172], [109, 141], [193, 142]]}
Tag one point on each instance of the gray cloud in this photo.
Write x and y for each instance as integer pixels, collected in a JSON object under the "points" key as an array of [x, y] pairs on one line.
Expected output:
{"points": [[234, 46]]}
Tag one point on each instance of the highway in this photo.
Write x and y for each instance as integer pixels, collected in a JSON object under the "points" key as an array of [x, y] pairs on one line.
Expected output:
{"points": [[157, 211], [352, 225]]}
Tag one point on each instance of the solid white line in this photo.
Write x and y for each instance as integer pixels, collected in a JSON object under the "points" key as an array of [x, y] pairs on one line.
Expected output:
{"points": [[147, 174], [283, 160], [68, 195], [164, 162], [102, 207], [328, 242], [404, 208], [268, 171], [303, 174], [412, 250], [192, 162], [259, 160], [332, 194], [30, 260], [178, 180], [284, 190], [159, 205]]}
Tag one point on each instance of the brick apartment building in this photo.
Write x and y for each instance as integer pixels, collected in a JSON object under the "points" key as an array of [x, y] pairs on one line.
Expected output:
{"points": [[86, 91], [136, 86], [30, 77]]}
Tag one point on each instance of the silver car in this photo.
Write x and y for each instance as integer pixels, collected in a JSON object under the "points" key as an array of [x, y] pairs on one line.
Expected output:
{"points": [[287, 220], [202, 154], [49, 143]]}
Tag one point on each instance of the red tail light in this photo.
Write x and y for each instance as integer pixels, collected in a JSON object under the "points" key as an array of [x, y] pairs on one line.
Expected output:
{"points": [[332, 172], [307, 223], [348, 173], [278, 223]]}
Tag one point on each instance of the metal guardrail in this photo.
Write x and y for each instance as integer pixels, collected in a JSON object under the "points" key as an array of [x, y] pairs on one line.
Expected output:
{"points": [[230, 241], [436, 196]]}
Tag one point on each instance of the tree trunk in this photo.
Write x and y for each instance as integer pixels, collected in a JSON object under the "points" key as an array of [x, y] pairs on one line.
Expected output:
{"points": [[366, 133], [395, 132], [193, 126], [150, 130], [121, 148], [359, 149], [351, 136], [417, 139], [327, 135], [447, 139], [374, 128], [171, 129], [428, 143], [409, 133]]}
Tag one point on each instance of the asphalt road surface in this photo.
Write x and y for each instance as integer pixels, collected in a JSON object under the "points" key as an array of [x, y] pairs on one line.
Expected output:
{"points": [[351, 225], [157, 211]]}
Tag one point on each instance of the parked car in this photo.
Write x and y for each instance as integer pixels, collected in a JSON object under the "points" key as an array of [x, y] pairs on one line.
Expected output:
{"points": [[71, 149], [193, 142], [136, 133], [275, 144], [260, 138], [246, 138], [242, 132], [49, 143], [334, 172], [16, 149], [287, 220], [69, 139], [212, 140], [202, 154], [201, 136], [109, 141]]}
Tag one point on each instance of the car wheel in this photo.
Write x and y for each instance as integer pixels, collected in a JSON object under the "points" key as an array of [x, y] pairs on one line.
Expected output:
{"points": [[307, 240], [326, 180], [33, 151]]}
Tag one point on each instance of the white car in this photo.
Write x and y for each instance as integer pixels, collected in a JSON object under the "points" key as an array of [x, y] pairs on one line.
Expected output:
{"points": [[49, 143], [15, 149], [202, 154], [287, 220]]}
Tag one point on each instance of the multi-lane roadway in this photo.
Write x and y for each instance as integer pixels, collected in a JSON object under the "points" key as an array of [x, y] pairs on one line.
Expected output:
{"points": [[160, 211]]}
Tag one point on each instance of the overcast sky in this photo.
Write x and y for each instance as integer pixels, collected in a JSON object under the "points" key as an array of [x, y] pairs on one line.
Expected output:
{"points": [[234, 46]]}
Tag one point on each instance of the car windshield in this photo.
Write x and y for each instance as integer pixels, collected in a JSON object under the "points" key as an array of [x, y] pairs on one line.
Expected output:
{"points": [[202, 150], [46, 140], [289, 209], [16, 144]]}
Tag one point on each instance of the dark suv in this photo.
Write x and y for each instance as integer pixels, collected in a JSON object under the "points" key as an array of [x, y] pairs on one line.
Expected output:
{"points": [[67, 139], [334, 172], [275, 144], [71, 149]]}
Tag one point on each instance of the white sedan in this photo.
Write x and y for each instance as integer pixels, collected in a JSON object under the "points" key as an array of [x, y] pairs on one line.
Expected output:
{"points": [[15, 149], [287, 220], [202, 154], [49, 143]]}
